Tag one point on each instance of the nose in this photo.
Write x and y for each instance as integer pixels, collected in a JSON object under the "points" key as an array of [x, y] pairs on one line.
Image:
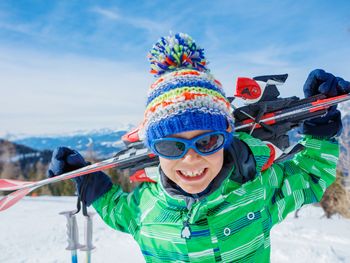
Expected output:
{"points": [[191, 155]]}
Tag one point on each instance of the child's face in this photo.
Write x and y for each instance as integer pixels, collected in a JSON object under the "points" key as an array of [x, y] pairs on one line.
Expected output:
{"points": [[203, 169]]}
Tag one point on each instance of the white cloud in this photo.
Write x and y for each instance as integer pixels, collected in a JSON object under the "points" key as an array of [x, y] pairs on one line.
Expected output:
{"points": [[149, 25], [18, 28], [107, 13], [45, 92]]}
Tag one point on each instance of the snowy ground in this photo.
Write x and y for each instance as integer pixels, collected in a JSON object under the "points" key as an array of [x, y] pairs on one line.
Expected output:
{"points": [[32, 231]]}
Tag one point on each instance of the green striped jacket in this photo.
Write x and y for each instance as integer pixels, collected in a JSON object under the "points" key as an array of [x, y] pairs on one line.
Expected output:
{"points": [[233, 223]]}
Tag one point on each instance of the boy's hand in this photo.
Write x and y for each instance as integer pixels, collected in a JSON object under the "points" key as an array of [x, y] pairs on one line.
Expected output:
{"points": [[321, 82], [325, 83], [65, 160]]}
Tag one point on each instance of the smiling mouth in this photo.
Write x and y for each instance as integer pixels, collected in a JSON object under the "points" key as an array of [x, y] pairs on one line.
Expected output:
{"points": [[192, 175]]}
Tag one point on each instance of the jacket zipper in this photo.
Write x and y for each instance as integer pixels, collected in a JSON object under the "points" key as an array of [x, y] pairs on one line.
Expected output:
{"points": [[186, 229]]}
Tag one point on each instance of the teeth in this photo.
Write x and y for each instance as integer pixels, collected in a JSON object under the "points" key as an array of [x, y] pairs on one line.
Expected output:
{"points": [[192, 173]]}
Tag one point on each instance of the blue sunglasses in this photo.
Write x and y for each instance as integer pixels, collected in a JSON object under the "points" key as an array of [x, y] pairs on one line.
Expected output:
{"points": [[204, 144]]}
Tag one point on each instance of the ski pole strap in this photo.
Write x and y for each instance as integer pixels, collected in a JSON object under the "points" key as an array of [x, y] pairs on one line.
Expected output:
{"points": [[81, 203]]}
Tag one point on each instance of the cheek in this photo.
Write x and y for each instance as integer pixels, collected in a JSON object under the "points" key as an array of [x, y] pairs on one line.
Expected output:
{"points": [[216, 161], [167, 165]]}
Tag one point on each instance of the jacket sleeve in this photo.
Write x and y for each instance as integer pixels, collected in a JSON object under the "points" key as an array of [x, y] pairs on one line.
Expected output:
{"points": [[301, 180], [119, 210]]}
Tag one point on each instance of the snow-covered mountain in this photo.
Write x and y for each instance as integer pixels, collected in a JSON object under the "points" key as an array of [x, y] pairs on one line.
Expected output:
{"points": [[101, 143]]}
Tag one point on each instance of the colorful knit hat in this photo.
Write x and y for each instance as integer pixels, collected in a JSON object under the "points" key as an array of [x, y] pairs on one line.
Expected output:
{"points": [[185, 95]]}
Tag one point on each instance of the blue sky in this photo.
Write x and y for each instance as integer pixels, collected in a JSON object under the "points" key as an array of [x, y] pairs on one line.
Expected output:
{"points": [[81, 65]]}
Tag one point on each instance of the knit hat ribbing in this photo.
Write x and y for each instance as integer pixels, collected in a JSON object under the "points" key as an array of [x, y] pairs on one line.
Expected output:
{"points": [[185, 96]]}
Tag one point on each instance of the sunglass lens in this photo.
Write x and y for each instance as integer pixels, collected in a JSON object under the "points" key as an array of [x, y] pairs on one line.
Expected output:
{"points": [[210, 143], [170, 148]]}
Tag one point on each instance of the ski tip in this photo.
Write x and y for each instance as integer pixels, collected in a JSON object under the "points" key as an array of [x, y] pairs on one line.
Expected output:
{"points": [[12, 198], [11, 185]]}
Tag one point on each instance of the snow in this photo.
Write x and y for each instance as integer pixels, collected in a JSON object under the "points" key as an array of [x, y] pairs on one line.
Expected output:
{"points": [[33, 231], [311, 238]]}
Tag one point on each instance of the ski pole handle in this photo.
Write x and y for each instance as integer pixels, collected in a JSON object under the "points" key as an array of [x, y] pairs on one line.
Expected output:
{"points": [[88, 233], [72, 230]]}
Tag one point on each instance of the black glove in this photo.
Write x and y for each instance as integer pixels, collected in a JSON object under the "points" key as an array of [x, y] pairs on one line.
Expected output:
{"points": [[94, 185], [325, 83]]}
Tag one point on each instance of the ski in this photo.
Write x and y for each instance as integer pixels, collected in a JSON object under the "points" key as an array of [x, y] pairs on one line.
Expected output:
{"points": [[11, 185], [308, 108], [22, 188], [121, 160]]}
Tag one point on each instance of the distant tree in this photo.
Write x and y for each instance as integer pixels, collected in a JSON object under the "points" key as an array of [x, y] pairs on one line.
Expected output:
{"points": [[122, 178], [344, 140], [11, 170], [336, 199], [63, 188], [10, 167]]}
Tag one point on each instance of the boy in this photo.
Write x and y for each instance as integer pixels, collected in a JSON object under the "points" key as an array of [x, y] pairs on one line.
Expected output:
{"points": [[217, 194]]}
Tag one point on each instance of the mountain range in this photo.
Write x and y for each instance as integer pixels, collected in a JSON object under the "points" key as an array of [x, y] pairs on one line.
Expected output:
{"points": [[100, 144]]}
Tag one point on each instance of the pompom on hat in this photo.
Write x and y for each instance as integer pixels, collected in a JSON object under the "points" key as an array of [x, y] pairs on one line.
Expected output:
{"points": [[185, 96]]}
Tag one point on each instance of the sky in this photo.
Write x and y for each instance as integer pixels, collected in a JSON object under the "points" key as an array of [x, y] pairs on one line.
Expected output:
{"points": [[77, 65]]}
